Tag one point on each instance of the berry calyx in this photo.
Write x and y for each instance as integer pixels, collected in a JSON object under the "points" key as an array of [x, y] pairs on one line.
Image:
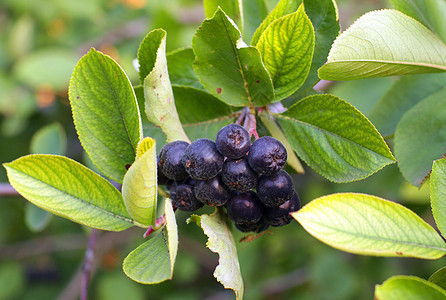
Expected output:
{"points": [[273, 190], [256, 227], [267, 155], [233, 141], [202, 160]]}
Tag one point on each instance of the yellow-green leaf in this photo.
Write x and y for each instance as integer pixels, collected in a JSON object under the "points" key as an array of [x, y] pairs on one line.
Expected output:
{"points": [[408, 288], [68, 189], [286, 47], [383, 43], [139, 188], [368, 225]]}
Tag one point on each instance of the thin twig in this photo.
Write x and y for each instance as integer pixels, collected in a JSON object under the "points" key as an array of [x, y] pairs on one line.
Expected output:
{"points": [[88, 263]]}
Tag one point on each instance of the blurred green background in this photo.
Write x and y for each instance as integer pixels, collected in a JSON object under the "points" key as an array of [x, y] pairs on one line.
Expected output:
{"points": [[40, 256]]}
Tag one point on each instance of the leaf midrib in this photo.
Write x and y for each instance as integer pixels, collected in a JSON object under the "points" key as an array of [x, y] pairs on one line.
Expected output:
{"points": [[330, 133], [336, 229], [115, 98], [74, 197], [390, 63], [234, 47]]}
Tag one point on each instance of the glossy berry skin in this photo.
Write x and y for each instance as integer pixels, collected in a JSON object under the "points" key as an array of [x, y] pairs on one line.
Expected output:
{"points": [[245, 208], [280, 216], [212, 192], [170, 160], [256, 227], [202, 160], [238, 175], [273, 190], [267, 155], [183, 197], [233, 141]]}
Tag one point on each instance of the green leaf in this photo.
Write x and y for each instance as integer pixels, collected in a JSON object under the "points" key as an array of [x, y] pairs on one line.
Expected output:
{"points": [[227, 68], [221, 241], [139, 188], [197, 106], [334, 138], [147, 52], [405, 93], [105, 113], [50, 139], [254, 12], [181, 71], [68, 189], [50, 66], [150, 262], [429, 12], [283, 7], [324, 17], [384, 43], [275, 131], [408, 288], [438, 193], [233, 8], [172, 232], [420, 137], [439, 278], [286, 47], [368, 225], [36, 218], [159, 101]]}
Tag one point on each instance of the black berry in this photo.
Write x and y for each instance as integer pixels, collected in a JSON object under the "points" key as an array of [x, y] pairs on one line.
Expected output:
{"points": [[183, 197], [212, 192], [245, 208], [238, 175], [256, 227], [161, 178], [170, 160], [267, 155], [233, 141], [202, 160], [280, 215], [273, 190]]}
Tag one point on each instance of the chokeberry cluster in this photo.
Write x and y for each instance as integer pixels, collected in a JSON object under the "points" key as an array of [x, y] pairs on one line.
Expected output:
{"points": [[226, 173]]}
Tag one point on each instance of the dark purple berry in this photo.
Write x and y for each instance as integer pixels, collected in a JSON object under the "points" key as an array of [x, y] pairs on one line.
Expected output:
{"points": [[238, 175], [183, 197], [170, 160], [267, 155], [202, 160], [273, 190], [280, 215], [245, 208], [212, 192], [162, 179], [233, 141], [256, 227]]}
